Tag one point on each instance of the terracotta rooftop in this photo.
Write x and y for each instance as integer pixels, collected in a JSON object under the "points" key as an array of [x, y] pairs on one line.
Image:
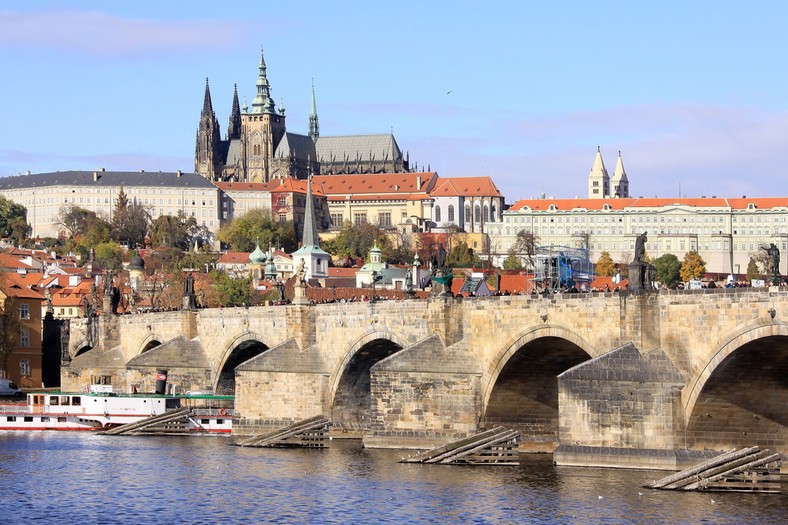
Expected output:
{"points": [[465, 187], [739, 203]]}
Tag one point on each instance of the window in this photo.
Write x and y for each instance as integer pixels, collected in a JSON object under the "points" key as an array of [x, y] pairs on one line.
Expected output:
{"points": [[385, 218], [451, 212], [24, 367], [24, 311], [336, 220], [359, 218], [437, 214], [282, 201], [24, 337], [282, 217]]}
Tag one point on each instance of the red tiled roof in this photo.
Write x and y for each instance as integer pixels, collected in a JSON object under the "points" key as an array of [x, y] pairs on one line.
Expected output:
{"points": [[295, 186], [465, 187], [235, 258], [738, 203], [379, 184], [334, 271], [9, 261]]}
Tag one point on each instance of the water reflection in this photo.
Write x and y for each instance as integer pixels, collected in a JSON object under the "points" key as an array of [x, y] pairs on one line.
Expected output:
{"points": [[63, 478]]}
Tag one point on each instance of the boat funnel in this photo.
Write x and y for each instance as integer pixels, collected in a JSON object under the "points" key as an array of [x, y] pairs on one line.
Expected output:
{"points": [[161, 382]]}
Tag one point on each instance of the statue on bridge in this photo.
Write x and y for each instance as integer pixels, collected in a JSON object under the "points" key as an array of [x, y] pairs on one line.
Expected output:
{"points": [[189, 297], [773, 262], [641, 273]]}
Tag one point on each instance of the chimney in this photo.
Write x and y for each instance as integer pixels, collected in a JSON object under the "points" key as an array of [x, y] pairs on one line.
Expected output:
{"points": [[96, 176], [418, 182], [103, 170], [179, 174], [27, 172], [142, 171]]}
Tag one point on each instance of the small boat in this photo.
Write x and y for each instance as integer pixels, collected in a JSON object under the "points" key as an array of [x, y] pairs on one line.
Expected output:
{"points": [[103, 410]]}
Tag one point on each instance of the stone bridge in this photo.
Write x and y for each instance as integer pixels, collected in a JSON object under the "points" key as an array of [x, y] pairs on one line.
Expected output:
{"points": [[598, 379]]}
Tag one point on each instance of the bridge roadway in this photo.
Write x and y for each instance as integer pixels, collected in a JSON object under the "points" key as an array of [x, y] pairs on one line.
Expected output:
{"points": [[597, 379]]}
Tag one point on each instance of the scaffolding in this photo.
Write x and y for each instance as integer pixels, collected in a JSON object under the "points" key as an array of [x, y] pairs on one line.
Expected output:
{"points": [[559, 268]]}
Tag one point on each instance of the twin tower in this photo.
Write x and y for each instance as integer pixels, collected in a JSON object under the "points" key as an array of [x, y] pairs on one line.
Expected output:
{"points": [[599, 183]]}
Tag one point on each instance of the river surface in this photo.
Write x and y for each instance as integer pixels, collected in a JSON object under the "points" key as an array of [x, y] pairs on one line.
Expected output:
{"points": [[60, 477]]}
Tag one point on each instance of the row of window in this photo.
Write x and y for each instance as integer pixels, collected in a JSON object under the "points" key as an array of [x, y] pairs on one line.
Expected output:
{"points": [[479, 214]]}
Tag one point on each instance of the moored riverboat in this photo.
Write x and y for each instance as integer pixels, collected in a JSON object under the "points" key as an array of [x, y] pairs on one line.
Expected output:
{"points": [[101, 410]]}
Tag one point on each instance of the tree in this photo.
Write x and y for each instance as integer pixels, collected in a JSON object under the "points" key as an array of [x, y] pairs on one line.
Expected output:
{"points": [[512, 262], [257, 225], [668, 267], [9, 332], [461, 256], [753, 271], [129, 221], [356, 240], [693, 267], [175, 231], [13, 221], [232, 291], [109, 255], [84, 228], [525, 246], [605, 266]]}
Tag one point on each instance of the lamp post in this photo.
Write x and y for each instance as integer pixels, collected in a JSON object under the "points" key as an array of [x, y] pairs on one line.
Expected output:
{"points": [[375, 278]]}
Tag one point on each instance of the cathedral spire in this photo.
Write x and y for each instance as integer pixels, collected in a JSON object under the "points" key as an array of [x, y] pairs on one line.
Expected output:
{"points": [[234, 127], [207, 160], [314, 127], [262, 102], [207, 107]]}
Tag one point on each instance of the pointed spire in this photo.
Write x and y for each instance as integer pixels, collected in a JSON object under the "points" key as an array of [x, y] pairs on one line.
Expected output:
{"points": [[620, 182], [310, 225], [598, 179], [314, 127], [262, 102], [234, 127], [207, 107]]}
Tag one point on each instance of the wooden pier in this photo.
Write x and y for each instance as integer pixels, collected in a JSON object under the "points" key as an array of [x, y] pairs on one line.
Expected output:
{"points": [[497, 446], [172, 422], [310, 433], [744, 470]]}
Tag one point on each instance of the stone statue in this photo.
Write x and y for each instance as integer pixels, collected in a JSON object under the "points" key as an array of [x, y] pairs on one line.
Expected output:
{"points": [[115, 300], [188, 285], [773, 262], [640, 247], [281, 287], [408, 281], [108, 284], [300, 272], [441, 256]]}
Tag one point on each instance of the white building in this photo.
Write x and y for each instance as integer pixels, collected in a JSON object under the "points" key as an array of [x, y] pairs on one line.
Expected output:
{"points": [[466, 202]]}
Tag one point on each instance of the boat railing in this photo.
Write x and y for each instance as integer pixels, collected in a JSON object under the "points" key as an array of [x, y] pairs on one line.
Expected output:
{"points": [[213, 412]]}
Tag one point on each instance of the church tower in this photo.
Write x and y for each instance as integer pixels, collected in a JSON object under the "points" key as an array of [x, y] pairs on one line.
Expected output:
{"points": [[207, 155], [620, 181], [598, 179], [234, 127], [263, 129]]}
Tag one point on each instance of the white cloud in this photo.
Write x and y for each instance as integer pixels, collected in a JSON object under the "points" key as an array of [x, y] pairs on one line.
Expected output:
{"points": [[97, 33]]}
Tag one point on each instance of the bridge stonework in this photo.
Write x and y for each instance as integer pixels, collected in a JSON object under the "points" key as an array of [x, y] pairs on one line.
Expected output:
{"points": [[597, 379]]}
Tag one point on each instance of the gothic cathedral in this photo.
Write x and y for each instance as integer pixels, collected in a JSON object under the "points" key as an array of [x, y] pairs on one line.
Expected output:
{"points": [[258, 147]]}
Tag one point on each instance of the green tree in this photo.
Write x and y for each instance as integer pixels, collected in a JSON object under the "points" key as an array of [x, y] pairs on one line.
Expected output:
{"points": [[693, 267], [668, 267], [462, 256], [232, 291], [13, 220], [175, 231], [129, 221], [109, 255], [357, 240], [605, 265], [257, 225], [9, 332], [753, 270], [512, 262]]}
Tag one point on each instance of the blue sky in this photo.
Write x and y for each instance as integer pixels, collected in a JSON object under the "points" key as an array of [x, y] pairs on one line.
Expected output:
{"points": [[693, 94]]}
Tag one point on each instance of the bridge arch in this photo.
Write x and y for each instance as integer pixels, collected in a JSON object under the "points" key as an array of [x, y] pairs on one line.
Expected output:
{"points": [[738, 397], [149, 342], [242, 348], [521, 390], [350, 395], [80, 347]]}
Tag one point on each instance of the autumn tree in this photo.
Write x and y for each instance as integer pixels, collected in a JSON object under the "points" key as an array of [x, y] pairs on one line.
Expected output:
{"points": [[753, 270], [667, 267], [130, 221], [176, 231], [462, 256], [109, 255], [525, 246], [605, 266], [693, 267], [356, 240]]}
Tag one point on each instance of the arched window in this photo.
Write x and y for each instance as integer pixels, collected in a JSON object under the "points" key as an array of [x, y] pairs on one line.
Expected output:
{"points": [[486, 213], [451, 212], [493, 215], [467, 213], [437, 214], [477, 212]]}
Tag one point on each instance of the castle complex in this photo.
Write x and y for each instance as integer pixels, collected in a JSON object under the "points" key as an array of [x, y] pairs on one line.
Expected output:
{"points": [[258, 147]]}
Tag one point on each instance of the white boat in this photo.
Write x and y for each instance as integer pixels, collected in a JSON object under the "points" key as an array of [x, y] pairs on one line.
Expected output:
{"points": [[104, 410]]}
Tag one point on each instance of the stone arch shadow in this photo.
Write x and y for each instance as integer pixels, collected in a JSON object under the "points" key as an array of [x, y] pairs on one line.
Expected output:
{"points": [[521, 390], [149, 342], [738, 397], [351, 373], [79, 348], [244, 347]]}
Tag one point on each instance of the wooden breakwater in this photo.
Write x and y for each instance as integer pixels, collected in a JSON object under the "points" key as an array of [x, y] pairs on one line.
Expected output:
{"points": [[744, 470], [311, 433], [497, 446]]}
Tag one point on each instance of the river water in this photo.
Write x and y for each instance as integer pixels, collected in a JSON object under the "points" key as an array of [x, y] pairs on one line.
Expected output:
{"points": [[59, 477]]}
